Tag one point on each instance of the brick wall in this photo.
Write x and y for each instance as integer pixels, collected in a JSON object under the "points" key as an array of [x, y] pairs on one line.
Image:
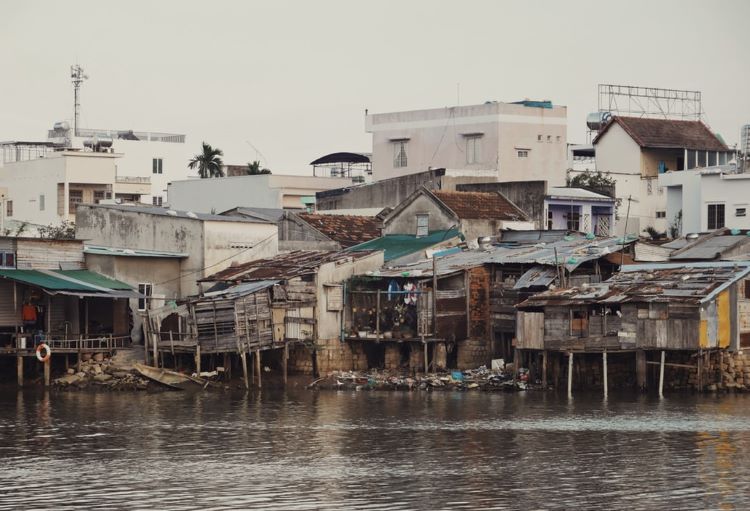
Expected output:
{"points": [[477, 350]]}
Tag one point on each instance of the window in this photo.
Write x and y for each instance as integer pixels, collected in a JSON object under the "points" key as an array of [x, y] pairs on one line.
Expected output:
{"points": [[7, 259], [146, 290], [538, 138], [423, 225], [574, 221], [715, 216], [473, 149], [156, 165], [75, 197], [399, 154], [550, 217], [661, 214], [98, 196], [579, 323], [41, 203], [9, 208], [549, 139], [559, 138], [650, 186], [334, 297], [747, 289], [157, 200], [523, 153], [740, 212]]}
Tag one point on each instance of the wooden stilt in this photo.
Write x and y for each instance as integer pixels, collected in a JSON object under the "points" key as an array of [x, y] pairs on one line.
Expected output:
{"points": [[198, 359], [285, 363], [47, 371], [80, 357], [700, 371], [426, 359], [556, 370], [67, 362], [640, 369], [227, 366], [19, 368], [570, 374], [604, 372], [544, 369], [243, 359], [661, 374], [257, 366]]}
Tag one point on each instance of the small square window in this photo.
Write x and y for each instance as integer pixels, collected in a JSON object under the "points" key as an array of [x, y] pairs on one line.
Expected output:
{"points": [[661, 214], [41, 203], [538, 138], [157, 200], [523, 153], [740, 212], [559, 138], [146, 290]]}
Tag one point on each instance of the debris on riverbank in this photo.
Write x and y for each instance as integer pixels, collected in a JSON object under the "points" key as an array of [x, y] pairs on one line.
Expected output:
{"points": [[101, 371], [480, 378]]}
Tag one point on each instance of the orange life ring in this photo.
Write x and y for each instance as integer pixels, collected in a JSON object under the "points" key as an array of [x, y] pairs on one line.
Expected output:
{"points": [[47, 352]]}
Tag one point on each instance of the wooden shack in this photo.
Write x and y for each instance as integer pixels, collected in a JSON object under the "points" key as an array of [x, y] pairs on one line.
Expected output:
{"points": [[643, 310]]}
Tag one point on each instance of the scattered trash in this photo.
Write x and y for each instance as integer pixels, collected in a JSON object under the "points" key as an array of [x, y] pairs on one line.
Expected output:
{"points": [[479, 378]]}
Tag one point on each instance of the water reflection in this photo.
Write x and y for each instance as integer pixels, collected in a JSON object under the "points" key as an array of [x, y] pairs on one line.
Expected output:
{"points": [[372, 450]]}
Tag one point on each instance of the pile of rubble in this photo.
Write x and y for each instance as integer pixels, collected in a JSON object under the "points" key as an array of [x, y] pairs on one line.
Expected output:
{"points": [[101, 371], [481, 378]]}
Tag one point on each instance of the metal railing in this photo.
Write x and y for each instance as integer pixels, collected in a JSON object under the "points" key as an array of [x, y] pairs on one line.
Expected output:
{"points": [[96, 343], [133, 179]]}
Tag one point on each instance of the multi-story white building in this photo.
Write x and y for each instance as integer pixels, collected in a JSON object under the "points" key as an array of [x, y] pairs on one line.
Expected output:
{"points": [[634, 151], [520, 141], [47, 190], [156, 157]]}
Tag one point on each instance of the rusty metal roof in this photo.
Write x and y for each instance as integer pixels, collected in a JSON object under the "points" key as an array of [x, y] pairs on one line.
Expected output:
{"points": [[283, 266], [686, 283]]}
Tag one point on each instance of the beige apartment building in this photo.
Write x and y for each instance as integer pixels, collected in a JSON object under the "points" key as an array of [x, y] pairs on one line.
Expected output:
{"points": [[521, 141]]}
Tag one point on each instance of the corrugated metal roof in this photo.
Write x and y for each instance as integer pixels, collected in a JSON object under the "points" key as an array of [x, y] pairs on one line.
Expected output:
{"points": [[571, 252], [76, 282], [563, 192], [692, 283], [399, 245], [245, 288], [185, 215], [709, 248], [537, 276]]}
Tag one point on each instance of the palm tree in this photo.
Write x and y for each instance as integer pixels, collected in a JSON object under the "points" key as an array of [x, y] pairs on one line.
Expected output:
{"points": [[209, 162], [254, 169]]}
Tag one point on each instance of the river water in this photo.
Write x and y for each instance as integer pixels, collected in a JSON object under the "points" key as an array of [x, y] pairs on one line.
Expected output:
{"points": [[372, 450]]}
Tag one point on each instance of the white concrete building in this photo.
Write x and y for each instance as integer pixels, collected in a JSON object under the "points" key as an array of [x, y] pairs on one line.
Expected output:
{"points": [[260, 191], [635, 151], [47, 190], [146, 157], [519, 141], [707, 199]]}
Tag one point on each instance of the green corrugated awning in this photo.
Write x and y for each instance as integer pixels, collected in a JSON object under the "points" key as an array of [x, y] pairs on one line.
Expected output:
{"points": [[399, 245], [73, 282]]}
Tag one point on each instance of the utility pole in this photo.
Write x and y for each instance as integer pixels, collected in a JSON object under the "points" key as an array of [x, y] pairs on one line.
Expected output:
{"points": [[625, 233], [77, 76]]}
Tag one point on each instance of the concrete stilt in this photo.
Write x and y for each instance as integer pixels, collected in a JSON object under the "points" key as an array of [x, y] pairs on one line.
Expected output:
{"points": [[243, 359]]}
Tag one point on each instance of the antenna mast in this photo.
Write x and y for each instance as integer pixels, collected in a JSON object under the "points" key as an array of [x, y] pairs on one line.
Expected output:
{"points": [[77, 76]]}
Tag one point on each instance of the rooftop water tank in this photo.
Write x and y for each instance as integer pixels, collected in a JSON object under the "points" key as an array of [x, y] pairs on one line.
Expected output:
{"points": [[596, 120]]}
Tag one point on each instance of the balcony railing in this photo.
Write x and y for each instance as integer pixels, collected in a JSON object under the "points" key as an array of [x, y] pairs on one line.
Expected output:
{"points": [[133, 179]]}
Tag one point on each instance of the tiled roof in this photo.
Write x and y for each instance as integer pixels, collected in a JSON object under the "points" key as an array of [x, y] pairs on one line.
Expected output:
{"points": [[667, 133], [348, 230], [490, 206]]}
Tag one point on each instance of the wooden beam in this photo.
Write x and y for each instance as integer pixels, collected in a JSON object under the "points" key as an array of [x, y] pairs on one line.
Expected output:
{"points": [[671, 364]]}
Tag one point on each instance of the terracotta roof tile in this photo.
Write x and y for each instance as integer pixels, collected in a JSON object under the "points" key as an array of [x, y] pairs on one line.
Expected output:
{"points": [[491, 206], [348, 230], [667, 133]]}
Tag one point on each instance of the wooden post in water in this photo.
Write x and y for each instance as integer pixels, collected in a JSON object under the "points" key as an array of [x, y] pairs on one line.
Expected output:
{"points": [[604, 372], [661, 375], [426, 358], [640, 369], [198, 359], [257, 366], [80, 356], [570, 374], [47, 370], [19, 368], [286, 362], [544, 368], [700, 371], [243, 359]]}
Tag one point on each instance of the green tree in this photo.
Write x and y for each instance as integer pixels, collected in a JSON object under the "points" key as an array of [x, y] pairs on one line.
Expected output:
{"points": [[66, 230], [254, 168], [208, 163]]}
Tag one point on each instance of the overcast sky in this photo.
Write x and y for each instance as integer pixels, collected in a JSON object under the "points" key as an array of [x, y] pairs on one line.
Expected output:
{"points": [[294, 78]]}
